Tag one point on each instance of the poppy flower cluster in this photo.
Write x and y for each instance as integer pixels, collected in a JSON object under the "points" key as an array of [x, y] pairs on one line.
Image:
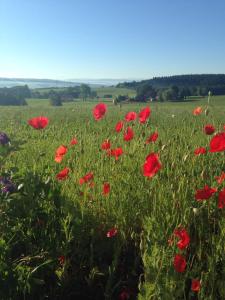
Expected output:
{"points": [[209, 129], [152, 138], [128, 135], [197, 111], [112, 232], [200, 150], [217, 143], [207, 192], [179, 261], [60, 152], [86, 178], [99, 111], [63, 175], [38, 122], [106, 145], [152, 165]]}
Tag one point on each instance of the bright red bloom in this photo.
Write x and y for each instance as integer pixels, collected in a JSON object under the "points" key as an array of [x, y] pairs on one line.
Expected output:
{"points": [[197, 111], [152, 165], [128, 135], [179, 263], [99, 111], [221, 203], [217, 143], [205, 193], [131, 116], [200, 150], [144, 114], [106, 188], [209, 129], [195, 285], [115, 152], [38, 122], [220, 178], [152, 138], [184, 241], [112, 232], [73, 142], [86, 178], [60, 152], [63, 174], [119, 126], [106, 145]]}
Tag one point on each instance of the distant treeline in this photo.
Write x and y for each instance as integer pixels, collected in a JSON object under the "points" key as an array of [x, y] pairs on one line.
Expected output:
{"points": [[178, 87], [66, 94], [14, 95]]}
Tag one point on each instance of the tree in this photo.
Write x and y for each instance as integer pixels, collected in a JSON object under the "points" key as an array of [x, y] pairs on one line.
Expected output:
{"points": [[85, 91], [145, 91], [55, 100]]}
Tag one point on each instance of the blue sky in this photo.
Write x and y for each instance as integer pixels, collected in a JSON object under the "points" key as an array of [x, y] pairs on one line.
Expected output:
{"points": [[111, 38]]}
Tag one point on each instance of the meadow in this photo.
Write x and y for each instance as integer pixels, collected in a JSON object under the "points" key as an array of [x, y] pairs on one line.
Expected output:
{"points": [[80, 239]]}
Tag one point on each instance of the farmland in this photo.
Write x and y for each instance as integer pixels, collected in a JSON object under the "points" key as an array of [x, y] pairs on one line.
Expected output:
{"points": [[63, 239]]}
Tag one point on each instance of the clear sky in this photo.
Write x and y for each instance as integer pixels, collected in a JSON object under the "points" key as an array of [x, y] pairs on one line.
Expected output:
{"points": [[68, 39]]}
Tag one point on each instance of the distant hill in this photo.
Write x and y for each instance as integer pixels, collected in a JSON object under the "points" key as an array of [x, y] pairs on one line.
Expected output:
{"points": [[50, 83], [35, 83], [198, 80]]}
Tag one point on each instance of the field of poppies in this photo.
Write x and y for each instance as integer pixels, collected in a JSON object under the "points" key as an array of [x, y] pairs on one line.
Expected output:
{"points": [[99, 201]]}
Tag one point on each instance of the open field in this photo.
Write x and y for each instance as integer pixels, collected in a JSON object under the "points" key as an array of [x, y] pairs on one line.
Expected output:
{"points": [[66, 240]]}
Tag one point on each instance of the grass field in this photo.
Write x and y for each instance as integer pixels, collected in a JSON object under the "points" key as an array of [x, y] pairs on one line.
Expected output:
{"points": [[53, 234]]}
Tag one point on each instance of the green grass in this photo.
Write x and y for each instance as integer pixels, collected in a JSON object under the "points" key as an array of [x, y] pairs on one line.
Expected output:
{"points": [[145, 211]]}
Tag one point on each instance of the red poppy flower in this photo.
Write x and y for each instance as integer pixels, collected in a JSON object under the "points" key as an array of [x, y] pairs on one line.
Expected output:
{"points": [[184, 241], [112, 232], [221, 203], [220, 178], [73, 142], [119, 126], [106, 188], [128, 135], [144, 114], [63, 174], [152, 138], [131, 116], [99, 111], [38, 122], [152, 165], [200, 150], [179, 263], [217, 143], [106, 145], [195, 285], [205, 193], [197, 111], [124, 295], [117, 152], [60, 152], [61, 259], [86, 178], [209, 129]]}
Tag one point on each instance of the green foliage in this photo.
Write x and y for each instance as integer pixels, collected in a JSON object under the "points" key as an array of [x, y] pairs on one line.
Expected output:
{"points": [[53, 240], [55, 100]]}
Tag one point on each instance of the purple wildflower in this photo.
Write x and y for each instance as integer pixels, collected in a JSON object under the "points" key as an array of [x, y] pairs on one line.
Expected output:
{"points": [[4, 138], [7, 185]]}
